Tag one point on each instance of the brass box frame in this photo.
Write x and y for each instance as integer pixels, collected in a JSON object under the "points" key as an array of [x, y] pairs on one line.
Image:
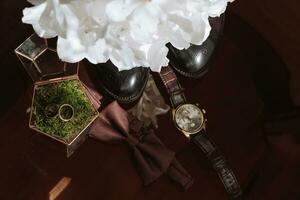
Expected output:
{"points": [[39, 79], [62, 146]]}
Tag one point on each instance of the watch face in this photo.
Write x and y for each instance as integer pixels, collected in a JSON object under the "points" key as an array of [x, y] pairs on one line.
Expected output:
{"points": [[189, 118]]}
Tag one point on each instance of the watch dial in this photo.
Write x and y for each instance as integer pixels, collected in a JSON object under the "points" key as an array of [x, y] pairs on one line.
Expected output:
{"points": [[189, 118]]}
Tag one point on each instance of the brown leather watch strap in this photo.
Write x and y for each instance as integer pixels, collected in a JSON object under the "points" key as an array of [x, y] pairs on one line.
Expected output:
{"points": [[219, 164], [201, 139], [173, 87]]}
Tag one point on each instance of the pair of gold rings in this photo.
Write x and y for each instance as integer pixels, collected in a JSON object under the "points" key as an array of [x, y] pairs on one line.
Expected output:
{"points": [[65, 112]]}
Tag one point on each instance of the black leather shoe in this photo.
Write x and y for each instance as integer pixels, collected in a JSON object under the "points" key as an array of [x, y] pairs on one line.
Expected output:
{"points": [[124, 86], [193, 62]]}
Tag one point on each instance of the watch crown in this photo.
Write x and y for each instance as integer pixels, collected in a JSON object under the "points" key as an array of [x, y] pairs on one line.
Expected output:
{"points": [[204, 111]]}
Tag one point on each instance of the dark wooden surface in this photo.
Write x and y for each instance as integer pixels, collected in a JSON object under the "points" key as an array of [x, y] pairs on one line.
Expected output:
{"points": [[104, 171], [278, 22]]}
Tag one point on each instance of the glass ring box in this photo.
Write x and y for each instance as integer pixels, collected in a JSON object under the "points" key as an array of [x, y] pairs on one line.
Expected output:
{"points": [[62, 110]]}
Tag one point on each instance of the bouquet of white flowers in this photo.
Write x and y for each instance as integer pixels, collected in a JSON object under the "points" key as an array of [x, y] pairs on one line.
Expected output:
{"points": [[131, 33]]}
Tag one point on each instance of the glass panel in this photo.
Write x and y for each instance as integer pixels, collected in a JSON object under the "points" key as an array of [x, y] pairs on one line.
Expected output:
{"points": [[40, 59], [32, 47], [49, 64]]}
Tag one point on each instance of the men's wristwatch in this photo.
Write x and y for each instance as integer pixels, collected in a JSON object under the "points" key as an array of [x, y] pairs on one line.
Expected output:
{"points": [[191, 121]]}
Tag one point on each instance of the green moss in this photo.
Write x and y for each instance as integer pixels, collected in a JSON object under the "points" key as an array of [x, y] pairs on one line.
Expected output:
{"points": [[65, 92]]}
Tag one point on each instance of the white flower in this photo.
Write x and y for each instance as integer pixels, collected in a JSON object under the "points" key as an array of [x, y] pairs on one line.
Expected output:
{"points": [[131, 33]]}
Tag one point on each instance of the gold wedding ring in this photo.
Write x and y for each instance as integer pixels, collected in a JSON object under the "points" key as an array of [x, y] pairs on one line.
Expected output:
{"points": [[51, 110], [66, 112]]}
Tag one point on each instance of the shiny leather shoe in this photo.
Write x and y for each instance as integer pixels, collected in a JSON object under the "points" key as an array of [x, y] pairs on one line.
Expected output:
{"points": [[124, 86], [193, 62]]}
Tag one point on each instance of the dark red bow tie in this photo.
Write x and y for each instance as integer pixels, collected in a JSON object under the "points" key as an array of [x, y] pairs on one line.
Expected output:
{"points": [[152, 158]]}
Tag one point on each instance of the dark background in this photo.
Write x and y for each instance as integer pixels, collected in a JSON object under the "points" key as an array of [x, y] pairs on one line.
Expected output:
{"points": [[260, 33], [278, 22]]}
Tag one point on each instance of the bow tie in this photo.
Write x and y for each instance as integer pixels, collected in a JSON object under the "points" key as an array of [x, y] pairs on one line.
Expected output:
{"points": [[151, 156]]}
